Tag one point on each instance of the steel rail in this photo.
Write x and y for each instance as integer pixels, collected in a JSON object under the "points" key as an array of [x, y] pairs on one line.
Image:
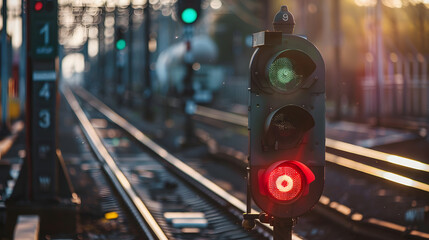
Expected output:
{"points": [[204, 184], [343, 215], [376, 172], [139, 210], [366, 152]]}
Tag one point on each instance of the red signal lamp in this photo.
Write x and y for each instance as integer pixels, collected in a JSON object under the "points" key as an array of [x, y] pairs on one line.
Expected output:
{"points": [[38, 6], [286, 181]]}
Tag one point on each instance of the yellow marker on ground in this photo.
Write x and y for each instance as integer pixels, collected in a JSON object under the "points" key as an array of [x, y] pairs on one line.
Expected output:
{"points": [[111, 215]]}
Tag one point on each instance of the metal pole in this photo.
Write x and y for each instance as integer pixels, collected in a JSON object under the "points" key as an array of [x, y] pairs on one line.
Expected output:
{"points": [[425, 78], [282, 228], [4, 70], [423, 42], [147, 94], [379, 61], [337, 58], [189, 106], [130, 58], [101, 53], [23, 62], [86, 74], [249, 187], [118, 69]]}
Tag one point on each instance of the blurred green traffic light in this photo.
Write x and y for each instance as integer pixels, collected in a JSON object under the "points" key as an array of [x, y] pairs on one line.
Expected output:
{"points": [[282, 75], [189, 15], [121, 44]]}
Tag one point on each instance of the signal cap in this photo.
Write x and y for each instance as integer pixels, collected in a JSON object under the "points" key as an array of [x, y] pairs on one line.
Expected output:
{"points": [[284, 21]]}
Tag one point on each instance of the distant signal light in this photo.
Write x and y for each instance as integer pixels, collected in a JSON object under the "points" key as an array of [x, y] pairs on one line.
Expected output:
{"points": [[189, 15], [38, 6], [121, 44], [188, 11]]}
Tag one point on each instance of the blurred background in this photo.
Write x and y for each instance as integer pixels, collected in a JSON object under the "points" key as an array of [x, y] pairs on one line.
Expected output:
{"points": [[132, 54], [375, 51]]}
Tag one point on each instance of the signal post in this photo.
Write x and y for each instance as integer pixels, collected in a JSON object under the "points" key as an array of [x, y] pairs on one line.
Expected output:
{"points": [[121, 48], [188, 11], [286, 126], [43, 187]]}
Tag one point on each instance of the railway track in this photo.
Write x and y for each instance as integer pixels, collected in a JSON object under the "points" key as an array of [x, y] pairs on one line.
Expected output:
{"points": [[397, 169], [342, 215], [362, 162], [155, 185]]}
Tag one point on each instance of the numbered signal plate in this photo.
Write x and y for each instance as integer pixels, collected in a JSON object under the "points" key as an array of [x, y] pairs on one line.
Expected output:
{"points": [[44, 39], [44, 90]]}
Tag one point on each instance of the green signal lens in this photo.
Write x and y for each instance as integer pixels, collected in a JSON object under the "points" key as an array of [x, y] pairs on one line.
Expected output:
{"points": [[121, 44], [189, 15], [282, 75]]}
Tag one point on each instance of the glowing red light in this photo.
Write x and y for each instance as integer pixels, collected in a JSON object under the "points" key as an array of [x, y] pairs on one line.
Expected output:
{"points": [[38, 6], [285, 182]]}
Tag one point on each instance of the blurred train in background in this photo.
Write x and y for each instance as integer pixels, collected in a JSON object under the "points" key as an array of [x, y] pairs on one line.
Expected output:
{"points": [[171, 70]]}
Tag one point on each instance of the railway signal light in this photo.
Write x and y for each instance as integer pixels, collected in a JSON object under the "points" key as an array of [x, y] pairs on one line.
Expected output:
{"points": [[47, 5], [287, 180], [120, 39], [38, 6], [121, 44], [286, 121], [188, 11]]}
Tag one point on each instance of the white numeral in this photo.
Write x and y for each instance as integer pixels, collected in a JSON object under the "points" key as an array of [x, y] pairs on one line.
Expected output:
{"points": [[44, 118], [45, 183], [45, 31], [44, 91]]}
